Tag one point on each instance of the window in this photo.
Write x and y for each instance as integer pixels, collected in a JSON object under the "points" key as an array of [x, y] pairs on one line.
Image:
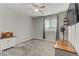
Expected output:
{"points": [[50, 25]]}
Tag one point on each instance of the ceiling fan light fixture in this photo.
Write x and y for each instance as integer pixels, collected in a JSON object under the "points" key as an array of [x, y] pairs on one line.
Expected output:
{"points": [[36, 10], [37, 7]]}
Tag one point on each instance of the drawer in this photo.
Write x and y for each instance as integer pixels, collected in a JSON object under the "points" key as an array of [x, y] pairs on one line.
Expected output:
{"points": [[7, 41]]}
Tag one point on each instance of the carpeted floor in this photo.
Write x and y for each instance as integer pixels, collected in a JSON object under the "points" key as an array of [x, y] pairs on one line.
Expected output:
{"points": [[35, 48], [31, 48]]}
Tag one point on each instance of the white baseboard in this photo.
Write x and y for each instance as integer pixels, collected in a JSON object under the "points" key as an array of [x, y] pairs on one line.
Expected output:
{"points": [[45, 39]]}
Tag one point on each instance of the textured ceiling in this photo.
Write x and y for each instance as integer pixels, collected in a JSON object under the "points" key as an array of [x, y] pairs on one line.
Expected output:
{"points": [[26, 8]]}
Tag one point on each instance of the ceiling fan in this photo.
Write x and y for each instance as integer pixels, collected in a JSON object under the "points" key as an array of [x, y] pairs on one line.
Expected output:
{"points": [[38, 7]]}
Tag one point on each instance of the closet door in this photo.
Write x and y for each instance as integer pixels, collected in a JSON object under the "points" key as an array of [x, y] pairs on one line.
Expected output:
{"points": [[71, 34], [76, 44]]}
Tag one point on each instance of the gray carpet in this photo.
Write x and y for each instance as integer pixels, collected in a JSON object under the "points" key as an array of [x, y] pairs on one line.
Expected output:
{"points": [[35, 48], [31, 48]]}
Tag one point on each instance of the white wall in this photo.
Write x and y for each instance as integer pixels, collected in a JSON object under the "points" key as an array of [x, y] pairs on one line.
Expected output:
{"points": [[19, 24], [38, 28]]}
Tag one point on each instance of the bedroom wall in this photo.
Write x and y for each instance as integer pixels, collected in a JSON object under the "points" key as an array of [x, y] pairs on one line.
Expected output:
{"points": [[38, 29], [18, 23]]}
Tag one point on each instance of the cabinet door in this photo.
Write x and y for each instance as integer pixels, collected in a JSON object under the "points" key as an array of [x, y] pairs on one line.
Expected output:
{"points": [[12, 42], [7, 43]]}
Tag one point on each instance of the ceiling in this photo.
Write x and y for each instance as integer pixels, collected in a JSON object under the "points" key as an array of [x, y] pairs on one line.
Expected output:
{"points": [[26, 8]]}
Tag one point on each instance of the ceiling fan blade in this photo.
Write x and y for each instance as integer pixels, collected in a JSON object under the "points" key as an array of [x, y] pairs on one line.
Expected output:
{"points": [[34, 5], [42, 6]]}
